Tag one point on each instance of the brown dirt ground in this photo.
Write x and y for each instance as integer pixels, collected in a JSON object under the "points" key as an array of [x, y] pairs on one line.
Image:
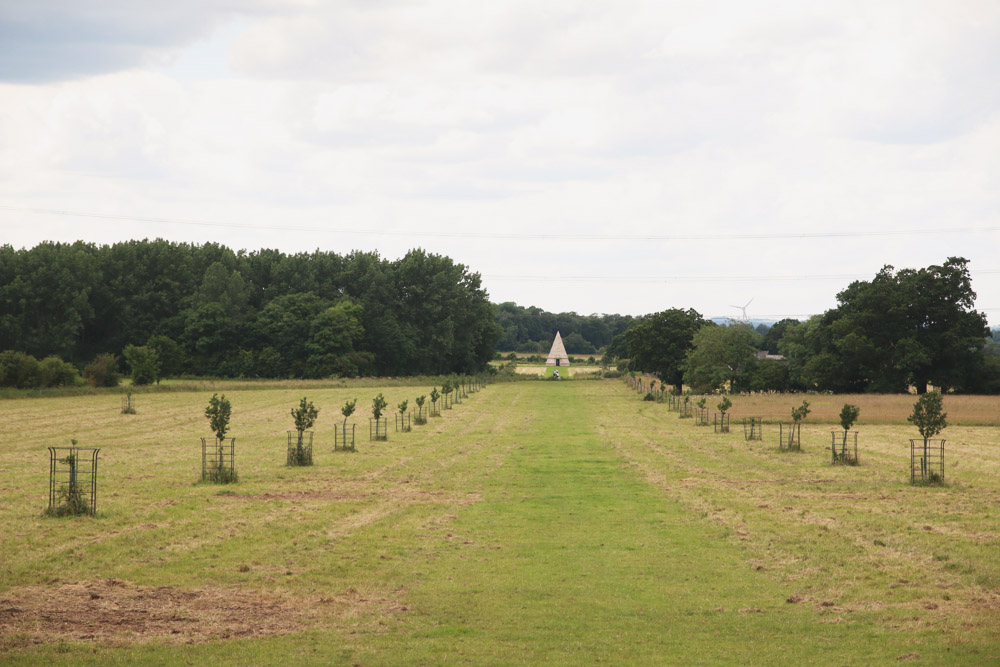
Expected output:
{"points": [[116, 612]]}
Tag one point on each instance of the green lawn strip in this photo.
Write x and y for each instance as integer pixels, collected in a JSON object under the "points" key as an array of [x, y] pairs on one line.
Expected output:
{"points": [[573, 558]]}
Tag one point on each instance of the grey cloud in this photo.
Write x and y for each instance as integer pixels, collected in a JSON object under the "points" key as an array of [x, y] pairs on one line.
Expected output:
{"points": [[56, 40]]}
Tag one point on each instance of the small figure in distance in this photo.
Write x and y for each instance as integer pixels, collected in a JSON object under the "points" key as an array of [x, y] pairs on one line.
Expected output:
{"points": [[555, 374]]}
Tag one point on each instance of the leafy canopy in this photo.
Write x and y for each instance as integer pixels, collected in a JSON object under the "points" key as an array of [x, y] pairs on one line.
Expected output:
{"points": [[928, 415], [218, 412], [378, 405], [848, 415], [304, 415]]}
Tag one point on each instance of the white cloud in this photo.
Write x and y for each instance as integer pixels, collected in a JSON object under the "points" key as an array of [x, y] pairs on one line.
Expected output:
{"points": [[565, 117]]}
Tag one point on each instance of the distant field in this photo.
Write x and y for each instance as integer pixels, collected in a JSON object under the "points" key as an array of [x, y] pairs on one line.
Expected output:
{"points": [[875, 408], [536, 522], [564, 371]]}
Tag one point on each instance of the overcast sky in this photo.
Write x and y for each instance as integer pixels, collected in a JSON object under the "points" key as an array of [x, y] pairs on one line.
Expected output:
{"points": [[622, 156]]}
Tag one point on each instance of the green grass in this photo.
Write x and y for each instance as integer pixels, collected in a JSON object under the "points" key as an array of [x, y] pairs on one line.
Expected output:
{"points": [[560, 523]]}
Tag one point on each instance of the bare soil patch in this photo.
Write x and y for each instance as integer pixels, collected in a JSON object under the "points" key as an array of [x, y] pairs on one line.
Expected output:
{"points": [[114, 611]]}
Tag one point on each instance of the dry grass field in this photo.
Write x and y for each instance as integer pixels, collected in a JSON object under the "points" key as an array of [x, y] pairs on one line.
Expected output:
{"points": [[537, 522], [875, 408]]}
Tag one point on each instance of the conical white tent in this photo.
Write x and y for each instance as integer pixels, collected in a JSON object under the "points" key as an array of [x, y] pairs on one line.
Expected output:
{"points": [[557, 355]]}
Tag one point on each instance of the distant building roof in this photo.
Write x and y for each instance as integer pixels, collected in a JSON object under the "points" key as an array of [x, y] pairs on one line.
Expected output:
{"points": [[558, 351]]}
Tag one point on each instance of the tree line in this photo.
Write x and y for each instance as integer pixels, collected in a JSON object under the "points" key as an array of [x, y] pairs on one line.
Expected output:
{"points": [[532, 329], [902, 329], [208, 310]]}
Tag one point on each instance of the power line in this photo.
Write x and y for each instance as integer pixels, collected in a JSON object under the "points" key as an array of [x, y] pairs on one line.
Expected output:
{"points": [[688, 278], [508, 236]]}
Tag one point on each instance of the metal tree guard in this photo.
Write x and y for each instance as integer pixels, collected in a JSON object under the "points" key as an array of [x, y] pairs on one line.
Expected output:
{"points": [[300, 448], [790, 436], [218, 460], [753, 428], [342, 438], [72, 480], [927, 461], [721, 422], [843, 448]]}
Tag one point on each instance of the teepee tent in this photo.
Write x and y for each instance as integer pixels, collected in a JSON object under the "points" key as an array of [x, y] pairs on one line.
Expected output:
{"points": [[557, 355]]}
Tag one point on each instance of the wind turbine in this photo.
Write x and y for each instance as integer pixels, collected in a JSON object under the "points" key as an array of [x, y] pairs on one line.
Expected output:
{"points": [[744, 309]]}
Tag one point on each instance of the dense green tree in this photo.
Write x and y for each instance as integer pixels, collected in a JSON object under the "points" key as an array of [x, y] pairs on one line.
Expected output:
{"points": [[333, 334], [901, 329], [18, 370], [659, 343], [143, 362], [103, 371], [721, 356], [170, 355], [775, 333]]}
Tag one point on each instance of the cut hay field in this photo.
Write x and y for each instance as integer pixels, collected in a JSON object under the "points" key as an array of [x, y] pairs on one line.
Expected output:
{"points": [[875, 408], [536, 522]]}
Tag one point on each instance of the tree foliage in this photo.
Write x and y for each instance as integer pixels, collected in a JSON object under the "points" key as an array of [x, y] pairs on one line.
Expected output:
{"points": [[378, 405], [928, 415], [208, 310], [218, 412], [144, 363], [720, 357], [304, 415], [659, 343]]}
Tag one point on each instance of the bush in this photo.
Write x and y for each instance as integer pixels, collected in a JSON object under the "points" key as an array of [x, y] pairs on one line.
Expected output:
{"points": [[649, 396], [54, 372], [218, 412], [144, 362], [18, 370], [103, 371]]}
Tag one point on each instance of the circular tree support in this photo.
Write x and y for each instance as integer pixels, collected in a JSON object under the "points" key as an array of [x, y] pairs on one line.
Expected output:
{"points": [[790, 436], [844, 447], [300, 448], [72, 481], [721, 422], [218, 460], [378, 429], [343, 437], [753, 428], [927, 461]]}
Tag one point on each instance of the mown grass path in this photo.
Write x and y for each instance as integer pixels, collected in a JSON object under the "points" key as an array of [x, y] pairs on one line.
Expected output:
{"points": [[573, 557]]}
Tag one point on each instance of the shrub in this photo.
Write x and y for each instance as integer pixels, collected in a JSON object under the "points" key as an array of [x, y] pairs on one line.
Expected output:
{"points": [[801, 412], [304, 416], [378, 405], [725, 404], [348, 410], [420, 418], [218, 412], [103, 371], [928, 415], [54, 372], [649, 396], [144, 363], [848, 416], [18, 370]]}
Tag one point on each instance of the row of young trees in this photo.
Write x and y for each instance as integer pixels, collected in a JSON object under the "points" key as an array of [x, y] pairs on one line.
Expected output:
{"points": [[907, 328], [207, 309]]}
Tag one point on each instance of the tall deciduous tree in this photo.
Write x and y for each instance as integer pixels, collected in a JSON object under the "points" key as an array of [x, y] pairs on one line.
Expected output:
{"points": [[659, 343], [910, 327], [721, 356]]}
